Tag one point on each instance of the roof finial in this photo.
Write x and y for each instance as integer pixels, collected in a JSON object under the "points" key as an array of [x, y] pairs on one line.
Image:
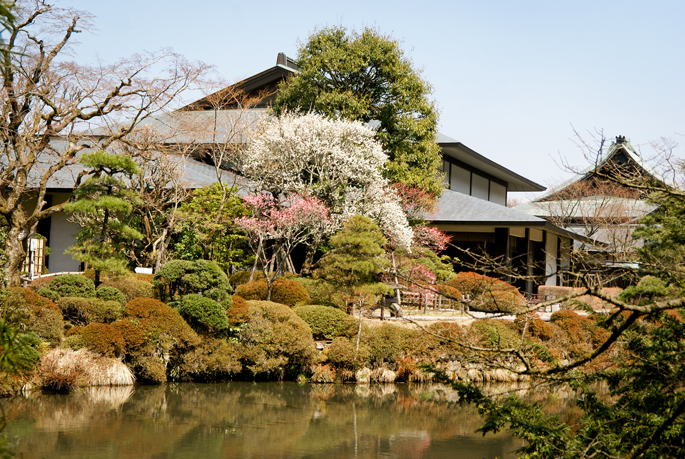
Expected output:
{"points": [[620, 139], [281, 59]]}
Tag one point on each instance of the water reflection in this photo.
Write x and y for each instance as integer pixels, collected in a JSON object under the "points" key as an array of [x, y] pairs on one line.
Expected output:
{"points": [[246, 420]]}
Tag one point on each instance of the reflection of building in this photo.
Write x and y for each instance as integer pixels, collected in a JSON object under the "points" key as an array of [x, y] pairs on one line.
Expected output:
{"points": [[603, 210], [473, 209]]}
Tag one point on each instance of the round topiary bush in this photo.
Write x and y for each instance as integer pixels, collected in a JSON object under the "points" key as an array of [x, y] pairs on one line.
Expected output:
{"points": [[583, 334], [388, 342], [132, 288], [160, 321], [534, 326], [82, 311], [211, 360], [103, 339], [203, 313], [326, 322], [182, 277], [321, 292], [342, 353], [72, 285], [31, 312], [495, 333], [51, 295], [275, 342], [107, 293], [39, 283], [283, 291]]}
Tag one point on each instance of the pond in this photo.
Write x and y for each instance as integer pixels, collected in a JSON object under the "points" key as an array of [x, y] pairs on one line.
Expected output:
{"points": [[251, 420]]}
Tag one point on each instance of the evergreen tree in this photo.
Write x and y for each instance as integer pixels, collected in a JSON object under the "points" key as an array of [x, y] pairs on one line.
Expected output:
{"points": [[100, 205]]}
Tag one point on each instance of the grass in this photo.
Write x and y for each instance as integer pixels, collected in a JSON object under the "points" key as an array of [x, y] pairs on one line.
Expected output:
{"points": [[68, 370]]}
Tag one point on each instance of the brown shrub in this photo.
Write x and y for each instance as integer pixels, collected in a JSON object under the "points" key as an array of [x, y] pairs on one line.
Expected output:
{"points": [[132, 288], [103, 339], [237, 313], [33, 313], [341, 353], [487, 293], [161, 321], [535, 327], [132, 332], [582, 333], [82, 311], [39, 283], [213, 359], [66, 369], [243, 277], [283, 291], [495, 333], [322, 374], [448, 291]]}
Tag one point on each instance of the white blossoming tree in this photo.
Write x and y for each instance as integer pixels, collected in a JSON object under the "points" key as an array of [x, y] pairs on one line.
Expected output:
{"points": [[338, 161]]}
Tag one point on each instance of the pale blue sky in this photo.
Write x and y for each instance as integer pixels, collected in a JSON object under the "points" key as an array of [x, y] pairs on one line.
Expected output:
{"points": [[509, 77]]}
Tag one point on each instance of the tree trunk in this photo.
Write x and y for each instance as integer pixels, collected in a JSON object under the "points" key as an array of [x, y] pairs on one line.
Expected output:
{"points": [[306, 269], [14, 246]]}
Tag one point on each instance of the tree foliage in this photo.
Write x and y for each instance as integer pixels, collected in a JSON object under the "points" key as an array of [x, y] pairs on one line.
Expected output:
{"points": [[365, 76]]}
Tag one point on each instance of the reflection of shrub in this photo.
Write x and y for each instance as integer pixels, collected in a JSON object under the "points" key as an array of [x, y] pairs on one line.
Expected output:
{"points": [[326, 322], [73, 285], [388, 343], [495, 333], [182, 277], [341, 353], [237, 313], [320, 292], [274, 341], [283, 291], [31, 312], [243, 277], [487, 293], [82, 311], [132, 288], [103, 339], [211, 360], [203, 313], [107, 293]]}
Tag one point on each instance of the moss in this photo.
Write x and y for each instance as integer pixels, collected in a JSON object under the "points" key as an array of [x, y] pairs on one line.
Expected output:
{"points": [[107, 293], [275, 342], [82, 311], [283, 291], [326, 322], [103, 339], [72, 285], [203, 313], [132, 288], [31, 312], [213, 359]]}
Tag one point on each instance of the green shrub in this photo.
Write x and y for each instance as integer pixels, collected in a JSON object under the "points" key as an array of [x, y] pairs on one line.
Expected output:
{"points": [[388, 342], [203, 313], [82, 311], [182, 277], [320, 292], [326, 322], [243, 277], [45, 292], [495, 333], [341, 354], [103, 339], [275, 342], [132, 288], [211, 360], [648, 289], [216, 294], [31, 312], [107, 293], [283, 291], [72, 285]]}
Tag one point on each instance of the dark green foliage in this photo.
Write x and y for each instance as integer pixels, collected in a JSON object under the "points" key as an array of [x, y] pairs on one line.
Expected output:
{"points": [[366, 76], [132, 287], [326, 322], [28, 311], [216, 294], [320, 292], [203, 313], [103, 339], [99, 201], [49, 294], [82, 311], [648, 289], [107, 293], [181, 277], [73, 285], [274, 342], [283, 291]]}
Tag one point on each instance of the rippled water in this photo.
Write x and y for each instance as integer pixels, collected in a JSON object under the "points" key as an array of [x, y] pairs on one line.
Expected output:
{"points": [[251, 420]]}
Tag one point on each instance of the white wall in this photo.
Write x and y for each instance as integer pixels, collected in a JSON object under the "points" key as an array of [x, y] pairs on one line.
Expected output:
{"points": [[551, 259]]}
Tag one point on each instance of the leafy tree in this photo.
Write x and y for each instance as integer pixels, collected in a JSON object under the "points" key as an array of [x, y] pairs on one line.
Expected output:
{"points": [[99, 204], [365, 76]]}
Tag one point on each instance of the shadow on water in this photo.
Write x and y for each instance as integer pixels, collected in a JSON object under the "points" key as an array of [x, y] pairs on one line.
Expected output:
{"points": [[248, 420]]}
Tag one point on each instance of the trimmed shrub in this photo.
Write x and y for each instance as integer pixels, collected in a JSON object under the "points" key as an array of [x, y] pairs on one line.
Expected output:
{"points": [[103, 339], [45, 292], [495, 333], [132, 288], [322, 374], [283, 291], [388, 342], [243, 277], [211, 360], [160, 322], [39, 283], [452, 293], [648, 289], [31, 312], [216, 294], [72, 285], [203, 313], [82, 311], [107, 293], [487, 293], [326, 322], [341, 353], [182, 277], [237, 313], [535, 327], [320, 292], [275, 342], [583, 334]]}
